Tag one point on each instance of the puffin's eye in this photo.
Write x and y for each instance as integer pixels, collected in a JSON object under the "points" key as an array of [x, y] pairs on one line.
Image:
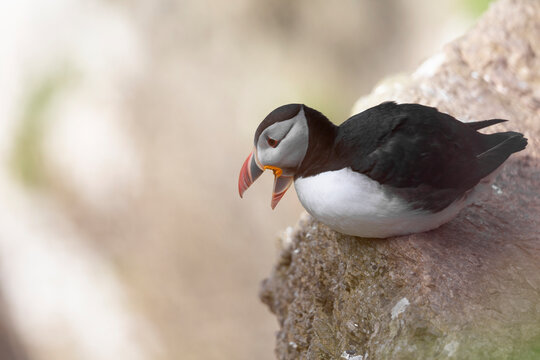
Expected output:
{"points": [[273, 143]]}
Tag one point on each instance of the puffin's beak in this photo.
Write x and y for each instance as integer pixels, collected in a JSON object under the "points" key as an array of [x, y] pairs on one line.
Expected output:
{"points": [[281, 184], [249, 173], [251, 170]]}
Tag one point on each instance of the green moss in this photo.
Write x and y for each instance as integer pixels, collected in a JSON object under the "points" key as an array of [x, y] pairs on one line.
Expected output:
{"points": [[475, 7], [27, 157], [529, 351]]}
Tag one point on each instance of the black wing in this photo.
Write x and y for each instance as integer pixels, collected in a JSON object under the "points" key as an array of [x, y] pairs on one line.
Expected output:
{"points": [[414, 146]]}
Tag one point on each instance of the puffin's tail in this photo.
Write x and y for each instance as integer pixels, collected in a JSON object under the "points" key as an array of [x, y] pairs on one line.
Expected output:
{"points": [[501, 146], [477, 125]]}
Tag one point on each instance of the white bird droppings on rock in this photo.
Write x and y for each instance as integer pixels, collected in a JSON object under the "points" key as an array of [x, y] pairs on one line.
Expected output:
{"points": [[496, 189], [347, 356], [399, 307], [287, 238], [451, 347], [351, 325]]}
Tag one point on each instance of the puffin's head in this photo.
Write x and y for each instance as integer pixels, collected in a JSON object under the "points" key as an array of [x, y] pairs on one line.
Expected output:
{"points": [[281, 142]]}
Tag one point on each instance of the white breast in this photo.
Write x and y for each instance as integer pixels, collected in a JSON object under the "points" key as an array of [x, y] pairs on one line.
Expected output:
{"points": [[353, 204]]}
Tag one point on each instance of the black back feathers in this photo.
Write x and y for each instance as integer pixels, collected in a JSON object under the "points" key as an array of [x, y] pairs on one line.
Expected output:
{"points": [[410, 146]]}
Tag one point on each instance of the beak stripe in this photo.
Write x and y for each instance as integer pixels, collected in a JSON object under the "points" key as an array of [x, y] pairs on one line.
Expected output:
{"points": [[281, 184], [251, 170], [248, 174]]}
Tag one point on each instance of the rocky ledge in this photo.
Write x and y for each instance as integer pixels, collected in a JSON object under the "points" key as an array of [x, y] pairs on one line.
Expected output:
{"points": [[468, 290]]}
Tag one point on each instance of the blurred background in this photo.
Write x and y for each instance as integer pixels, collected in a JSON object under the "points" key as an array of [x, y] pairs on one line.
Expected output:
{"points": [[123, 127]]}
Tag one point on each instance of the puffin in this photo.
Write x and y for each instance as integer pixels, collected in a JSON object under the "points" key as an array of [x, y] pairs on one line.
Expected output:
{"points": [[391, 170]]}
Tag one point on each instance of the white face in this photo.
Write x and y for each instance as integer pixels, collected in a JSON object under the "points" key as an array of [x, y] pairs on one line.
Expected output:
{"points": [[290, 140]]}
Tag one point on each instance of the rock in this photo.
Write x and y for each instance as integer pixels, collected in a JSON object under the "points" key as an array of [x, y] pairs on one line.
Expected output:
{"points": [[467, 290]]}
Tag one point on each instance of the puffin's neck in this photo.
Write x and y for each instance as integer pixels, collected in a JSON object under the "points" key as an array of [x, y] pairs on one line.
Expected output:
{"points": [[322, 135]]}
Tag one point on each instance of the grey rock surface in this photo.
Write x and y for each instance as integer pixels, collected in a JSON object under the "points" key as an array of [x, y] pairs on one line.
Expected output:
{"points": [[467, 290]]}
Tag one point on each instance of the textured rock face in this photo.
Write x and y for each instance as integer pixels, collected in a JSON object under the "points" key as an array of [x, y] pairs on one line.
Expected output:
{"points": [[468, 290]]}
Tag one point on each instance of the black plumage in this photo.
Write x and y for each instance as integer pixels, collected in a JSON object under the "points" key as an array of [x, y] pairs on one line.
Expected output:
{"points": [[427, 157]]}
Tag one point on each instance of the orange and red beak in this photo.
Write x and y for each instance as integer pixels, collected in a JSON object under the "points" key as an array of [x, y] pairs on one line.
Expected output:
{"points": [[251, 170], [249, 173]]}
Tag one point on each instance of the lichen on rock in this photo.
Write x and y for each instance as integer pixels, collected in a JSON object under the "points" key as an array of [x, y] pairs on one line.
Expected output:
{"points": [[468, 290]]}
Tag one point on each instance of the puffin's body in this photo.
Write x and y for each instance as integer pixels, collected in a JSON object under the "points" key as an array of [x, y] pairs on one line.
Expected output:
{"points": [[390, 170]]}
